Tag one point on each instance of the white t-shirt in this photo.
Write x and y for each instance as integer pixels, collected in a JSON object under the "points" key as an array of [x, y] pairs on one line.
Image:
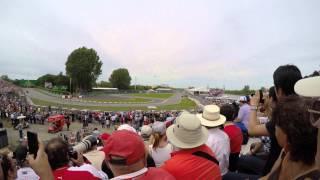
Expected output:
{"points": [[160, 155], [219, 143], [26, 173]]}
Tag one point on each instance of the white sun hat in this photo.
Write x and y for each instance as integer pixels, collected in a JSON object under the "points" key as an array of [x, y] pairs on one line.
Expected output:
{"points": [[308, 87], [211, 116], [187, 132]]}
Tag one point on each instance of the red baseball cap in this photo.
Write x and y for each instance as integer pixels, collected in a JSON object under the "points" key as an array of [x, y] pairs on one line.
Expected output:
{"points": [[104, 137], [126, 145]]}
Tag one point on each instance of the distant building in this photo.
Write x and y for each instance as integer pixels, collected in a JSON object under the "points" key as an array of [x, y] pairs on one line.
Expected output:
{"points": [[164, 90], [107, 90], [199, 91], [48, 85]]}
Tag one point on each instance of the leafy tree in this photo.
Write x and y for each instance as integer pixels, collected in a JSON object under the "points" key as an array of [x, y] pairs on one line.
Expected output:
{"points": [[6, 78], [246, 88], [120, 78], [84, 67], [46, 78], [62, 80]]}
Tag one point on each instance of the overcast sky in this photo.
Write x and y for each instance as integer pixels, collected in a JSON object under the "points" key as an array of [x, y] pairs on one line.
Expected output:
{"points": [[180, 43]]}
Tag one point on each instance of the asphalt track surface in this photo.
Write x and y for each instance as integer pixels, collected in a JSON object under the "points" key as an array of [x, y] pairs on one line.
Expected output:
{"points": [[57, 99]]}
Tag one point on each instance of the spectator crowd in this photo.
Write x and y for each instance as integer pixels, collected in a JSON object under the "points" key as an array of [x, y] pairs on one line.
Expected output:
{"points": [[183, 145]]}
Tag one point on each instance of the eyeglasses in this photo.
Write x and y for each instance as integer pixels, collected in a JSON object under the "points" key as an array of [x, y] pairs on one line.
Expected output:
{"points": [[314, 111]]}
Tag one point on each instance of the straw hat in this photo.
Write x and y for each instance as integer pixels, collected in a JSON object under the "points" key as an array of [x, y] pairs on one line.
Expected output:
{"points": [[187, 132], [211, 116], [309, 87]]}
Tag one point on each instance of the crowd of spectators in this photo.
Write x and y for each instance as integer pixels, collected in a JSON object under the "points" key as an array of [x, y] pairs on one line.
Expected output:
{"points": [[203, 145]]}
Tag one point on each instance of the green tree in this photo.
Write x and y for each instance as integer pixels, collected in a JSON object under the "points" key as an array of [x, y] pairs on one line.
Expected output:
{"points": [[120, 78], [84, 67], [45, 78], [246, 88], [6, 78]]}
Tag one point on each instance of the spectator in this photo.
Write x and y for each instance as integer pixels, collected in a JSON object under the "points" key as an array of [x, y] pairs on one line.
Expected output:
{"points": [[145, 133], [159, 149], [192, 159], [255, 160], [243, 117], [68, 122], [234, 133], [310, 87], [9, 168], [218, 140], [58, 157], [293, 131], [24, 171], [126, 156], [284, 79]]}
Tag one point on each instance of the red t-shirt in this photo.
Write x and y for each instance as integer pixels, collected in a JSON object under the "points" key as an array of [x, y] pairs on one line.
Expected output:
{"points": [[235, 136], [156, 173], [183, 165], [82, 172], [146, 174]]}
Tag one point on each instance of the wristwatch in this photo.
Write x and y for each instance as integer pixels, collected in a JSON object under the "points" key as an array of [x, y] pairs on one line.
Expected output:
{"points": [[254, 108]]}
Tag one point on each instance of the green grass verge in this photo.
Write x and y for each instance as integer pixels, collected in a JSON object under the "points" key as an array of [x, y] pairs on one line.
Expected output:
{"points": [[184, 104], [132, 100], [153, 95]]}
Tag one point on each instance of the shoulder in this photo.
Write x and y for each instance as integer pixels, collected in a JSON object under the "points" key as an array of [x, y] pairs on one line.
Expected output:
{"points": [[86, 170]]}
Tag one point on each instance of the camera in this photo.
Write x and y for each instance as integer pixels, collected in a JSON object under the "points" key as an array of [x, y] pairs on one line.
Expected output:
{"points": [[83, 146]]}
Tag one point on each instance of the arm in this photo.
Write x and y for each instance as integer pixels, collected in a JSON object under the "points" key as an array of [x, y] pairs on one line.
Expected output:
{"points": [[255, 128], [41, 164], [238, 119]]}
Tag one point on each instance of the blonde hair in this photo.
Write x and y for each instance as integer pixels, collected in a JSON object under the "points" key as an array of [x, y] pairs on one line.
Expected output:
{"points": [[155, 139]]}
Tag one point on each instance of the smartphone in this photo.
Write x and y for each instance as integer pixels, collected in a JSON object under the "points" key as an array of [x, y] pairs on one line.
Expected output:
{"points": [[261, 96], [33, 143]]}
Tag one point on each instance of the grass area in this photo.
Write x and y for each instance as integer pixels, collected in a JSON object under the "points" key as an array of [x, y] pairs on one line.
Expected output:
{"points": [[153, 95], [132, 100], [184, 104]]}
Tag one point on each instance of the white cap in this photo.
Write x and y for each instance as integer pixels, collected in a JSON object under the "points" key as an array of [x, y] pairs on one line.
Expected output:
{"points": [[127, 127], [308, 87], [146, 130], [243, 99]]}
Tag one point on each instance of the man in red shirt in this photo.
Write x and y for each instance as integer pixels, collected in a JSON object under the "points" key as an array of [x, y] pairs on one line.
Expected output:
{"points": [[234, 133], [193, 159], [126, 156]]}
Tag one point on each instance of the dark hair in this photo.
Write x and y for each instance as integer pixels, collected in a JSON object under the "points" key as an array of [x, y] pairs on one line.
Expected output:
{"points": [[236, 109], [272, 94], [285, 77], [6, 165], [292, 117], [228, 111], [57, 151]]}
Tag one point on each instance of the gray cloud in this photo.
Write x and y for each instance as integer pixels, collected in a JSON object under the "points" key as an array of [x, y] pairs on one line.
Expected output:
{"points": [[182, 43]]}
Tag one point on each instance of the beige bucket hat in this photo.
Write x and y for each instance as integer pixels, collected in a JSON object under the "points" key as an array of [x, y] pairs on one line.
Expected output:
{"points": [[187, 132], [211, 116], [308, 87]]}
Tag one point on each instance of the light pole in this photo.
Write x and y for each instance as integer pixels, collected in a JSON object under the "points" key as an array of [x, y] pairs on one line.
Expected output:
{"points": [[135, 84], [70, 85]]}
